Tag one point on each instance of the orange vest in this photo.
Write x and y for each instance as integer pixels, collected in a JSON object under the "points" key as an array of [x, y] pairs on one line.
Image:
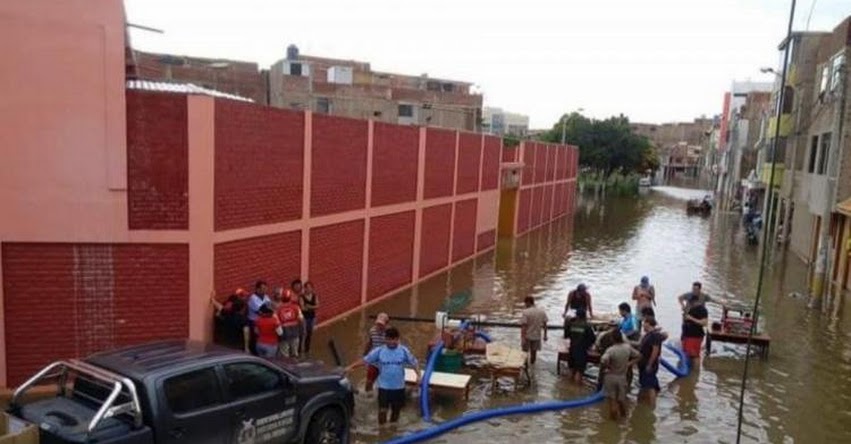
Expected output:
{"points": [[288, 314]]}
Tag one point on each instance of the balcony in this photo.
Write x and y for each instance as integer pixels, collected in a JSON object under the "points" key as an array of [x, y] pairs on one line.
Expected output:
{"points": [[765, 174], [786, 126]]}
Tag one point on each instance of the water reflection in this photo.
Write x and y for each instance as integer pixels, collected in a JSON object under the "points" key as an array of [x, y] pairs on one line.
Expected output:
{"points": [[802, 393]]}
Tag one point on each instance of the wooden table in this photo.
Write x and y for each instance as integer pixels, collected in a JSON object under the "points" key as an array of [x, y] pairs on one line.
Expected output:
{"points": [[762, 342], [453, 383], [504, 361]]}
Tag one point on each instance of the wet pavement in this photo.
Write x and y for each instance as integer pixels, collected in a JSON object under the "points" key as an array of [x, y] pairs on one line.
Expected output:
{"points": [[802, 393]]}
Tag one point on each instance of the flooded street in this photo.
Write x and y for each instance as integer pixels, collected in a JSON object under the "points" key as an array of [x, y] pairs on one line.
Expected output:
{"points": [[802, 393]]}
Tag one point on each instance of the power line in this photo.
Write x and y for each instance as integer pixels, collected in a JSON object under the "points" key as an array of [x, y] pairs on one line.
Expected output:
{"points": [[769, 214], [810, 16]]}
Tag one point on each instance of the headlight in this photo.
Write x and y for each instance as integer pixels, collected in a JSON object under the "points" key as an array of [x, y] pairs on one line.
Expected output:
{"points": [[345, 383]]}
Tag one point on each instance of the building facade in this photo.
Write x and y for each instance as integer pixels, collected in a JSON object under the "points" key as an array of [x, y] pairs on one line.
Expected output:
{"points": [[503, 123], [679, 145]]}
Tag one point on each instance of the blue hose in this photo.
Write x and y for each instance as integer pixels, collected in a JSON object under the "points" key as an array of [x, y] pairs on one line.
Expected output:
{"points": [[484, 336], [683, 369], [433, 432]]}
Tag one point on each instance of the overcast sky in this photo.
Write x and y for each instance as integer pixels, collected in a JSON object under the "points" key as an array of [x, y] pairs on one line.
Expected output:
{"points": [[653, 60]]}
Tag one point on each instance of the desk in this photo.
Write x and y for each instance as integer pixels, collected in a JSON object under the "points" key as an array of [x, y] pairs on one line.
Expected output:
{"points": [[501, 360], [454, 383]]}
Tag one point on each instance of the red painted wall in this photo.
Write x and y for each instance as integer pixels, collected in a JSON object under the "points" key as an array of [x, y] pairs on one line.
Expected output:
{"points": [[338, 165], [77, 299], [394, 164], [439, 163], [157, 162], [469, 157], [490, 163], [275, 258], [391, 252], [336, 266], [464, 231], [529, 164], [436, 226], [486, 240], [259, 160], [548, 203], [551, 162], [509, 154], [540, 163], [537, 206]]}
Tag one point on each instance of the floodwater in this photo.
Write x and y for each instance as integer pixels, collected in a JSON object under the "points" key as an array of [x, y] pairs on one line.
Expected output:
{"points": [[802, 393]]}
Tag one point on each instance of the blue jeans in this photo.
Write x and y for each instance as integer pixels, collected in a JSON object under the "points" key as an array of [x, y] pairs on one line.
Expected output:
{"points": [[308, 332], [267, 351]]}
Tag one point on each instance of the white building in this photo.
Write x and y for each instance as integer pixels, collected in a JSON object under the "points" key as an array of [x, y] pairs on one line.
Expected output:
{"points": [[500, 122]]}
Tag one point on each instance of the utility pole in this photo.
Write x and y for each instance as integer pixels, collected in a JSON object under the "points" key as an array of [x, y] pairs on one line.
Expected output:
{"points": [[821, 283]]}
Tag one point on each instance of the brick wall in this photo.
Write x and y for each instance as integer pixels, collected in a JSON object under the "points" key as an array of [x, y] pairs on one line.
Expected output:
{"points": [[485, 240], [274, 258], [529, 164], [439, 163], [394, 164], [258, 165], [71, 300], [537, 206], [338, 165], [490, 163], [434, 246], [464, 231], [336, 266], [391, 252], [157, 162], [469, 156]]}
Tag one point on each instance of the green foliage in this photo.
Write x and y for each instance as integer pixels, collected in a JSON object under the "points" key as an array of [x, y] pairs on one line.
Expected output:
{"points": [[606, 145], [617, 183], [510, 141]]}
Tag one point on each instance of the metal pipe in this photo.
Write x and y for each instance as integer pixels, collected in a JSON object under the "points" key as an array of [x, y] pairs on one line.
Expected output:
{"points": [[476, 322]]}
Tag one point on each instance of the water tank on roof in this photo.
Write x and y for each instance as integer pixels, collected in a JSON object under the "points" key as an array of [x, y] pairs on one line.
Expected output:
{"points": [[292, 52]]}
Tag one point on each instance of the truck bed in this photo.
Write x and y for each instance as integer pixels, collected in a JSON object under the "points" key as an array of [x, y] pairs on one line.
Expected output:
{"points": [[66, 421]]}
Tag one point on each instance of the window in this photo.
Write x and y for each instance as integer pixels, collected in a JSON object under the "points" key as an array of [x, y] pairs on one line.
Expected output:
{"points": [[295, 69], [811, 165], [433, 85], [448, 87], [406, 110], [825, 77], [248, 379], [824, 153], [835, 68], [192, 391], [323, 105]]}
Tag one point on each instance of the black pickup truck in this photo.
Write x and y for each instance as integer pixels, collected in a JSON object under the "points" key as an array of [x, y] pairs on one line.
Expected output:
{"points": [[188, 392]]}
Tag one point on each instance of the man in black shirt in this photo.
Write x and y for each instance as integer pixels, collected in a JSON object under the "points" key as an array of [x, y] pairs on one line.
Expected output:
{"points": [[582, 338], [694, 322], [648, 366]]}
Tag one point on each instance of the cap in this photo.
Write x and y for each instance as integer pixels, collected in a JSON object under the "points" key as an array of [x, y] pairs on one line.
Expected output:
{"points": [[582, 287], [645, 279], [382, 318]]}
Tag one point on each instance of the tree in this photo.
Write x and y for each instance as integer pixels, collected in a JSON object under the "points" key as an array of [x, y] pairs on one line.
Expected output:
{"points": [[605, 145]]}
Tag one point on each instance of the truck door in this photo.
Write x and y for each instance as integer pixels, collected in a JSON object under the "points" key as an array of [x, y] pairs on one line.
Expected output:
{"points": [[193, 409], [262, 403]]}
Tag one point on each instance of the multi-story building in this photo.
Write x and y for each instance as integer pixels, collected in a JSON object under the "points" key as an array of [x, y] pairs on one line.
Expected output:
{"points": [[500, 122], [678, 144], [746, 122], [327, 86], [352, 89]]}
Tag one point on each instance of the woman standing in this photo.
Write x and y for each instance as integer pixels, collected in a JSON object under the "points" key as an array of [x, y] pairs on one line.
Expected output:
{"points": [[309, 303]]}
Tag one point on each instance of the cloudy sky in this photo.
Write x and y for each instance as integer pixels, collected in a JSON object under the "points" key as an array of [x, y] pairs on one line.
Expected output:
{"points": [[653, 60]]}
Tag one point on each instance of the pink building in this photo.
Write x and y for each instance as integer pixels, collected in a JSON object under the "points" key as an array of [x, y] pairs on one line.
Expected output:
{"points": [[123, 210]]}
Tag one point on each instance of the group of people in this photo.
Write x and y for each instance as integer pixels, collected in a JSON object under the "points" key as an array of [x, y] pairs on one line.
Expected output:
{"points": [[634, 340], [280, 325]]}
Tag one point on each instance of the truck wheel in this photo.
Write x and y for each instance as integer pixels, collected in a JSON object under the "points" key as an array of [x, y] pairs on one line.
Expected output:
{"points": [[328, 426]]}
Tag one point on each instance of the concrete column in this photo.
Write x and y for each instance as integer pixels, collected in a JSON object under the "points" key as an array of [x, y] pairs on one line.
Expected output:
{"points": [[305, 195], [365, 262], [418, 215]]}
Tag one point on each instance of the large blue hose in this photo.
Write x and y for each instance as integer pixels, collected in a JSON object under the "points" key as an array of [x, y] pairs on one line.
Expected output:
{"points": [[433, 432], [683, 368]]}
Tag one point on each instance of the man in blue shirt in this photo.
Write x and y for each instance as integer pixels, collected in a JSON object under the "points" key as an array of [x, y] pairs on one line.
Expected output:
{"points": [[258, 299], [391, 360], [629, 325]]}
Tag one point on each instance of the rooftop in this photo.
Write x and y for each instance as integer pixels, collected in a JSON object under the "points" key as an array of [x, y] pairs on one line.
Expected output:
{"points": [[181, 88]]}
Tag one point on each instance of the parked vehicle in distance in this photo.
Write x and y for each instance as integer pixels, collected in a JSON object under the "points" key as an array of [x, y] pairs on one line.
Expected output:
{"points": [[188, 392]]}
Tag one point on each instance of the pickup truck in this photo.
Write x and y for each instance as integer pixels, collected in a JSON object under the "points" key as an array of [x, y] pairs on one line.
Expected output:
{"points": [[187, 392]]}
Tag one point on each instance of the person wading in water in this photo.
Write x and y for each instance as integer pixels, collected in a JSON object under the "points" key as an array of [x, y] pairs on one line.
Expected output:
{"points": [[579, 299]]}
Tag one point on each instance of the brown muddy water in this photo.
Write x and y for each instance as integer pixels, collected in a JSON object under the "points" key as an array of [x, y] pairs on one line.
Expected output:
{"points": [[802, 393]]}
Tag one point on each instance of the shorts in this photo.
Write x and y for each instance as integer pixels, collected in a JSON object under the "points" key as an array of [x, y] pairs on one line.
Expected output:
{"points": [[394, 399], [614, 387], [531, 344], [691, 346], [648, 380], [577, 362], [371, 374]]}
